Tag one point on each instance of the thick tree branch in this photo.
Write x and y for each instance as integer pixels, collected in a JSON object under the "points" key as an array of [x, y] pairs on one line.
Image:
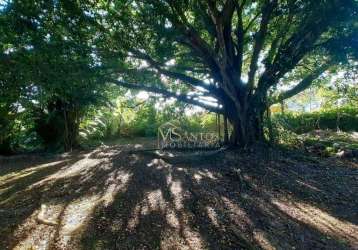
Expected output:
{"points": [[247, 28], [202, 48], [279, 39], [301, 86], [227, 16], [180, 97], [240, 35], [192, 81], [291, 52], [230, 81], [190, 37], [223, 24], [228, 11], [259, 41], [199, 45]]}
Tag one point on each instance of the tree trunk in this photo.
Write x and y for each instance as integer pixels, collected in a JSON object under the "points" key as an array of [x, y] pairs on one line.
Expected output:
{"points": [[247, 132], [71, 126], [66, 142], [247, 125], [269, 125], [226, 131], [282, 104]]}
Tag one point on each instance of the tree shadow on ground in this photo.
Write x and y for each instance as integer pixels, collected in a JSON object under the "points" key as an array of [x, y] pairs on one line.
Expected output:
{"points": [[115, 198], [54, 188], [205, 205], [266, 211], [323, 183], [17, 202]]}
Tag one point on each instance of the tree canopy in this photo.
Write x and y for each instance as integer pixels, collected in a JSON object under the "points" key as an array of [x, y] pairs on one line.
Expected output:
{"points": [[231, 57], [228, 56]]}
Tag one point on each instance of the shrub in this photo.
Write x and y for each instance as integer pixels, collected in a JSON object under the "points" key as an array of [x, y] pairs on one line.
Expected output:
{"points": [[344, 118]]}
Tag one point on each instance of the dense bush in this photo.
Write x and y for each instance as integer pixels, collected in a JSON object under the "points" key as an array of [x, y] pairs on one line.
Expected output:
{"points": [[142, 120], [144, 123], [345, 119]]}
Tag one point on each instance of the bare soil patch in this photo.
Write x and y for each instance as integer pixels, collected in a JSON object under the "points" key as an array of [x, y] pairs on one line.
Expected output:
{"points": [[122, 197]]}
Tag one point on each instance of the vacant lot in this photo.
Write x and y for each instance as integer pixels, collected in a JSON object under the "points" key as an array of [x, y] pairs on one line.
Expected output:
{"points": [[122, 197]]}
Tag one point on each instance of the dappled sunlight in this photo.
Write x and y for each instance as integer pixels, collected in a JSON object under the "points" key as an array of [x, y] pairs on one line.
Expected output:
{"points": [[176, 226], [261, 238], [75, 217], [14, 188], [104, 152], [67, 221], [197, 177], [213, 216], [134, 218], [138, 146], [17, 175], [192, 237], [124, 199], [80, 167], [178, 221], [172, 218], [319, 219], [158, 163], [38, 229], [177, 192], [5, 189], [116, 182], [56, 220], [308, 186], [154, 201], [50, 213], [237, 214], [208, 174], [74, 192], [39, 239], [178, 124]]}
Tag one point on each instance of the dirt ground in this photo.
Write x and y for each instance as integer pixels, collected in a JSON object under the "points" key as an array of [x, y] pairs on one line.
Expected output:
{"points": [[123, 197]]}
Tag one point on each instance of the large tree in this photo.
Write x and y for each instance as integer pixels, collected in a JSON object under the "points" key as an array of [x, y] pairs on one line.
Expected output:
{"points": [[228, 56], [47, 69]]}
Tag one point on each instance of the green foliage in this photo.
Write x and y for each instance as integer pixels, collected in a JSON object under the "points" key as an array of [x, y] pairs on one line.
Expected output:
{"points": [[144, 122], [6, 126], [344, 118], [48, 71], [97, 125], [131, 117], [57, 57], [280, 133]]}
